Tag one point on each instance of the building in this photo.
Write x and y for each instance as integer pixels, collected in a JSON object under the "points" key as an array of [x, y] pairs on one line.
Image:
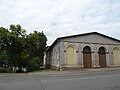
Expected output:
{"points": [[89, 50]]}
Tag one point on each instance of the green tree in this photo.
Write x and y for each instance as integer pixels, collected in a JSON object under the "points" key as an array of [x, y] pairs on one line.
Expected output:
{"points": [[16, 37], [17, 49], [36, 45], [3, 44]]}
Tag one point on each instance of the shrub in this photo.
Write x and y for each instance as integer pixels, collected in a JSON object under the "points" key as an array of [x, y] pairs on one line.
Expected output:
{"points": [[34, 64], [5, 70]]}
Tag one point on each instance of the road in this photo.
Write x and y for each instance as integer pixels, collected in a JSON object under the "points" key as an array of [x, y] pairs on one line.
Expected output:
{"points": [[109, 80]]}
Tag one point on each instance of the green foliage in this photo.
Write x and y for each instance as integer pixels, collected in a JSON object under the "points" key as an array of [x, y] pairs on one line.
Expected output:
{"points": [[17, 49], [3, 57], [5, 70], [34, 64]]}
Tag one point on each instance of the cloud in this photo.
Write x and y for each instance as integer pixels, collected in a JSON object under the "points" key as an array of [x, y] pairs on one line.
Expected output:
{"points": [[62, 17]]}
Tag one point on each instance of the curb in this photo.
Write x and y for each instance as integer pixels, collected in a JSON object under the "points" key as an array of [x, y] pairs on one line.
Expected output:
{"points": [[62, 72]]}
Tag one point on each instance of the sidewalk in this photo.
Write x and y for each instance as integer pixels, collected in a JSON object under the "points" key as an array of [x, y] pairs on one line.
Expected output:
{"points": [[103, 69], [63, 72], [79, 71]]}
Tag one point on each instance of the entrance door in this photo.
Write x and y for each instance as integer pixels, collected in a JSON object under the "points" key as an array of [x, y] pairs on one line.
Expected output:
{"points": [[102, 57], [87, 57]]}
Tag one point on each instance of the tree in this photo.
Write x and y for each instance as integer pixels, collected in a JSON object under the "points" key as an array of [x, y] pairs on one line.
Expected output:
{"points": [[15, 37], [18, 49], [3, 43], [36, 45]]}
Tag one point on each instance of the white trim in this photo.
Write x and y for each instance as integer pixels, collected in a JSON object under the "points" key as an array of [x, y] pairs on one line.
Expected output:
{"points": [[76, 47], [115, 47], [105, 46], [91, 47]]}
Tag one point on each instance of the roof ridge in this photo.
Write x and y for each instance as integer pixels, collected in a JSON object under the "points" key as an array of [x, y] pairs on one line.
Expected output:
{"points": [[82, 35]]}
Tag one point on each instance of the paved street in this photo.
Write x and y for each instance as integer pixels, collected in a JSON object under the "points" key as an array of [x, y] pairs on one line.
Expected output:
{"points": [[102, 80]]}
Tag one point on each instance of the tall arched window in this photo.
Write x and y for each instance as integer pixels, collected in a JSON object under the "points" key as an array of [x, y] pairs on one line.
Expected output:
{"points": [[70, 55], [116, 56]]}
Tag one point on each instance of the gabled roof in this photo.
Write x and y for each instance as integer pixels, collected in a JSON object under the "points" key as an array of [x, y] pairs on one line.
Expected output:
{"points": [[82, 35]]}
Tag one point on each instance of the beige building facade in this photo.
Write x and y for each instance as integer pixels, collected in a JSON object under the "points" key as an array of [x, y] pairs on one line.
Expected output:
{"points": [[89, 50]]}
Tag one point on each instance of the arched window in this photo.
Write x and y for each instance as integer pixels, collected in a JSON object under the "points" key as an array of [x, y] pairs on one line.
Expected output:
{"points": [[70, 55], [116, 56]]}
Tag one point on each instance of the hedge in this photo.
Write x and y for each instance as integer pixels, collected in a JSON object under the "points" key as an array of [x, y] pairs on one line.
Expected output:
{"points": [[5, 70]]}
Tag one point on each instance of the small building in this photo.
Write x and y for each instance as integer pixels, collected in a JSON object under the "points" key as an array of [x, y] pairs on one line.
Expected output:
{"points": [[88, 50]]}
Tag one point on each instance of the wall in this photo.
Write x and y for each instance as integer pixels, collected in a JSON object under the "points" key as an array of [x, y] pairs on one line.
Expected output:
{"points": [[94, 54], [94, 38], [57, 55], [53, 56]]}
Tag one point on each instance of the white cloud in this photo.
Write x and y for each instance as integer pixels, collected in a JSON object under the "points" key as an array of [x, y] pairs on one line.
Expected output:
{"points": [[62, 17]]}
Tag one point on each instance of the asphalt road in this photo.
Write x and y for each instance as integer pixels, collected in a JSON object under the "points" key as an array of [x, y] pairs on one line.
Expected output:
{"points": [[109, 80]]}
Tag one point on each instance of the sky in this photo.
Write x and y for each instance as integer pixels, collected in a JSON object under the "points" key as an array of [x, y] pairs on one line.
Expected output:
{"points": [[58, 18]]}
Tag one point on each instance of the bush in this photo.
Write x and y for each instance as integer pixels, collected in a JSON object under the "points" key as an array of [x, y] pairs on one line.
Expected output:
{"points": [[33, 64], [5, 70]]}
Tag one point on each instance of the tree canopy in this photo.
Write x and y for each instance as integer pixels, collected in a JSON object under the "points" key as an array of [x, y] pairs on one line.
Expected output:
{"points": [[21, 50]]}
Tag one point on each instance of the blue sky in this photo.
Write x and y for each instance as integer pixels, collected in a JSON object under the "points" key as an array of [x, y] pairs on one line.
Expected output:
{"points": [[58, 18]]}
